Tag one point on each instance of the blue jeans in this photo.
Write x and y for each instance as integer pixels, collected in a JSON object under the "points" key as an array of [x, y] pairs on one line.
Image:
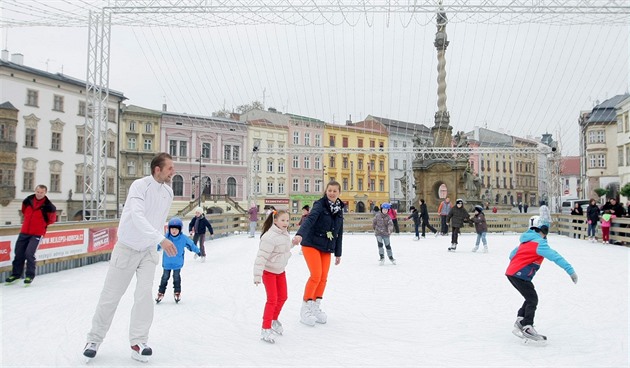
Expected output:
{"points": [[481, 237], [177, 281], [592, 229]]}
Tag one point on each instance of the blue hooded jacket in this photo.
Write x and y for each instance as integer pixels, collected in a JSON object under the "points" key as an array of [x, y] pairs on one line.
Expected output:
{"points": [[525, 260], [181, 243]]}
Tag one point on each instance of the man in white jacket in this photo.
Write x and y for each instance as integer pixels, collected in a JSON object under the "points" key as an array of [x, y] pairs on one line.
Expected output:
{"points": [[140, 229]]}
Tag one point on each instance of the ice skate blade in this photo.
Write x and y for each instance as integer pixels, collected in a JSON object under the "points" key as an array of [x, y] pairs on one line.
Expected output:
{"points": [[138, 357], [527, 340], [268, 341]]}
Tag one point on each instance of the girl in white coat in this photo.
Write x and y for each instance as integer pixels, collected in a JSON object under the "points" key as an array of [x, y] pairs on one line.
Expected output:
{"points": [[273, 255]]}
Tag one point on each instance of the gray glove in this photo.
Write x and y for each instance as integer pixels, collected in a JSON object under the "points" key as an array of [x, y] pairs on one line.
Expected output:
{"points": [[574, 277]]}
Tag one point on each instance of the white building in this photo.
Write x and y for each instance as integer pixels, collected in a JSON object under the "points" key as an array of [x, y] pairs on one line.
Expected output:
{"points": [[42, 134], [623, 143]]}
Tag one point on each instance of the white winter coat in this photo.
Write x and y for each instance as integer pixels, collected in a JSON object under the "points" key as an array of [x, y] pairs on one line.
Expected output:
{"points": [[273, 253]]}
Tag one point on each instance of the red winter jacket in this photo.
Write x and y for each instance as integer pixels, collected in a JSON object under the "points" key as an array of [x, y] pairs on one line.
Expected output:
{"points": [[38, 214]]}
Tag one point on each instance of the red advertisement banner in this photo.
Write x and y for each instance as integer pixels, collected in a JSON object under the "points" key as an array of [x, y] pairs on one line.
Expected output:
{"points": [[63, 238], [102, 239], [5, 251]]}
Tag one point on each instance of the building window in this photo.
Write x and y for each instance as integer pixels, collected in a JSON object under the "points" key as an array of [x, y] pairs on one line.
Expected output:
{"points": [[183, 149], [372, 165], [146, 168], [317, 163], [381, 166], [132, 126], [597, 136], [307, 162], [111, 115], [307, 139], [270, 165], [58, 103], [360, 142], [318, 140], [344, 163], [111, 149], [372, 143], [231, 187], [148, 128], [257, 166], [296, 138], [381, 185], [296, 185], [131, 168], [360, 184], [627, 155], [232, 153], [331, 162], [395, 164], [131, 143], [55, 182], [332, 141], [30, 137], [205, 150], [7, 177], [404, 164], [296, 162], [620, 156], [148, 144], [307, 185], [32, 97], [55, 143], [281, 188], [372, 185], [281, 166], [344, 184], [7, 132], [360, 164], [318, 185], [344, 142], [269, 188], [257, 186], [28, 184], [81, 111], [178, 185], [172, 148], [80, 144]]}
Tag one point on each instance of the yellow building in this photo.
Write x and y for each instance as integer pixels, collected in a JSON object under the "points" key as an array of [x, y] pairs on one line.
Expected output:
{"points": [[356, 157]]}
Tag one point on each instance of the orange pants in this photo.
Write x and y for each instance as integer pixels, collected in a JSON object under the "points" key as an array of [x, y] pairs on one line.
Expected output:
{"points": [[318, 264]]}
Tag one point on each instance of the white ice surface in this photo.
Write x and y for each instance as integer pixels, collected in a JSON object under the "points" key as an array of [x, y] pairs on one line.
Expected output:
{"points": [[432, 309]]}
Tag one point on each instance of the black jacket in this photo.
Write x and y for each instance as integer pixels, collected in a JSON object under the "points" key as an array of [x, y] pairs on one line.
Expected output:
{"points": [[592, 213], [322, 229], [424, 213], [203, 225], [415, 217]]}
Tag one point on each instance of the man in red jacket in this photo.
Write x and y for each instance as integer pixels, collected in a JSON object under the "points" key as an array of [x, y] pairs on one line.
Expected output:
{"points": [[38, 212]]}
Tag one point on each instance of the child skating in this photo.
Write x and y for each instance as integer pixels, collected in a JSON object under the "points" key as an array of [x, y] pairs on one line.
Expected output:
{"points": [[383, 227], [606, 220], [481, 228], [525, 260], [416, 221], [456, 218], [176, 262], [273, 255]]}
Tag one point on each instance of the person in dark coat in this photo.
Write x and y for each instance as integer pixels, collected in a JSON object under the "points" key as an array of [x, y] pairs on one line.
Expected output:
{"points": [[321, 235], [481, 228], [424, 216], [614, 207], [197, 229], [577, 211], [592, 218], [456, 219], [416, 221]]}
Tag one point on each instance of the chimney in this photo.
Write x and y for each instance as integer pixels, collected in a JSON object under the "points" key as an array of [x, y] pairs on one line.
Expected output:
{"points": [[17, 59], [5, 55], [164, 107]]}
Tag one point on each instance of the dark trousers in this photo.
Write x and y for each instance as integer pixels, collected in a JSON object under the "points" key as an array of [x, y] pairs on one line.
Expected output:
{"points": [[425, 224], [527, 290], [396, 228], [416, 226], [199, 239], [25, 248], [454, 235], [444, 227], [177, 281]]}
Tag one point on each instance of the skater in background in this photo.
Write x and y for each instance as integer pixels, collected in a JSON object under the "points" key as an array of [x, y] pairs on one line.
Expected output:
{"points": [[544, 214], [579, 213], [38, 212], [393, 214], [320, 234], [525, 260], [443, 211], [141, 227], [197, 228], [481, 228], [424, 216], [456, 218], [176, 262], [253, 219], [607, 218], [383, 227], [416, 221], [592, 218], [273, 255]]}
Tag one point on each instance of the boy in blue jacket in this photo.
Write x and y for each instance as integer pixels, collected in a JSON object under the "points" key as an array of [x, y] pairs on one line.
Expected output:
{"points": [[525, 260], [175, 263]]}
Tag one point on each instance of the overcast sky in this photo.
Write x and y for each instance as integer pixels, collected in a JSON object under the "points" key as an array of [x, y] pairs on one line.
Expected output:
{"points": [[525, 79]]}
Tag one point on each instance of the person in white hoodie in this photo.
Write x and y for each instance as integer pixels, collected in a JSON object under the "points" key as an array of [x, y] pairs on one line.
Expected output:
{"points": [[140, 229], [272, 258]]}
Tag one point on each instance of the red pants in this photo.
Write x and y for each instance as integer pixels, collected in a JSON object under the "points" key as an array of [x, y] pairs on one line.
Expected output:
{"points": [[276, 287], [318, 265], [605, 234]]}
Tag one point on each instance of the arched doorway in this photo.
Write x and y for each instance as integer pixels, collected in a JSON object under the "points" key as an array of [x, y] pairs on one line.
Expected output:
{"points": [[231, 187], [178, 186], [360, 207]]}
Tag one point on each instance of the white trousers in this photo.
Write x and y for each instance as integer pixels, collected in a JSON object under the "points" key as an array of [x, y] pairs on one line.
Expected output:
{"points": [[124, 263]]}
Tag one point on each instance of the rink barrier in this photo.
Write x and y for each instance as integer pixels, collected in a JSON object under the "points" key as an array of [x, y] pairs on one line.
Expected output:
{"points": [[354, 223]]}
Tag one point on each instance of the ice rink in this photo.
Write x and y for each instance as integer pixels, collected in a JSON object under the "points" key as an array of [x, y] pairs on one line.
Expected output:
{"points": [[432, 309]]}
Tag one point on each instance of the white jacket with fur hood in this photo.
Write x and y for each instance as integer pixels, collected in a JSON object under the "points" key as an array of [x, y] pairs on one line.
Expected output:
{"points": [[273, 253]]}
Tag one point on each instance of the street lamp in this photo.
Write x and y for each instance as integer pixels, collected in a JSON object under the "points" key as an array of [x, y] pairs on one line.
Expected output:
{"points": [[200, 179]]}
